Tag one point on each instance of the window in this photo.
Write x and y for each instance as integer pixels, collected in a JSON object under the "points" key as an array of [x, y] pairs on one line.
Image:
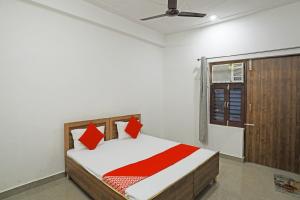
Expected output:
{"points": [[218, 104], [227, 99]]}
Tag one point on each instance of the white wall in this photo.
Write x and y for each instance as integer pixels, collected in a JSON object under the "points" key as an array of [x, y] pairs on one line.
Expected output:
{"points": [[86, 11], [272, 29], [54, 69]]}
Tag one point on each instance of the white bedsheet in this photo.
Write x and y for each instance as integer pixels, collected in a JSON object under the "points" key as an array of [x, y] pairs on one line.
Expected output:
{"points": [[118, 153]]}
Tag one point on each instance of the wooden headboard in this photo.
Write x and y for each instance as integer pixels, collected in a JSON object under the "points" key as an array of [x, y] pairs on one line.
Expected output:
{"points": [[110, 130]]}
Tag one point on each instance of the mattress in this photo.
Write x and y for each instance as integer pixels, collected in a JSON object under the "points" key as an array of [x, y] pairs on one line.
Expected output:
{"points": [[118, 153]]}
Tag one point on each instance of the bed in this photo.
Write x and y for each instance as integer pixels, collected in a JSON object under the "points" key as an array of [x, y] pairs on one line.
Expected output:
{"points": [[183, 180]]}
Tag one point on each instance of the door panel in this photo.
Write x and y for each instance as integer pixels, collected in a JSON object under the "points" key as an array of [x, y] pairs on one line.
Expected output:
{"points": [[273, 87]]}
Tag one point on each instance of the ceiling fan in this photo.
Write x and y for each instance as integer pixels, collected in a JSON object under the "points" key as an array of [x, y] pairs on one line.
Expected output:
{"points": [[173, 11]]}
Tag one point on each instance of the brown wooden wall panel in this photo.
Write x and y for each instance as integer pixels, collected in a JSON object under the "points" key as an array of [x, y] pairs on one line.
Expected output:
{"points": [[297, 145], [273, 92], [296, 63]]}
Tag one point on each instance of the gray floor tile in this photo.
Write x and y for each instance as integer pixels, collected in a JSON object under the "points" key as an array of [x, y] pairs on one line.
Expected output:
{"points": [[236, 181]]}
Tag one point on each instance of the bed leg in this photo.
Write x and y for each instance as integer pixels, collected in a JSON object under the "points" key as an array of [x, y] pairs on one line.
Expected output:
{"points": [[68, 176], [213, 181]]}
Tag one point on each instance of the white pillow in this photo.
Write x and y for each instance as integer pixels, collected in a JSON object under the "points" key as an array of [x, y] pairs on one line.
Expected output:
{"points": [[77, 133], [121, 130]]}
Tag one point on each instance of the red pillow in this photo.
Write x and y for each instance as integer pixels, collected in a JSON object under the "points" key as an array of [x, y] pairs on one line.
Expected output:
{"points": [[133, 127], [91, 137]]}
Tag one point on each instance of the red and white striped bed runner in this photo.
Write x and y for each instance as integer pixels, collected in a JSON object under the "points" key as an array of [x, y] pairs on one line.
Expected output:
{"points": [[123, 177]]}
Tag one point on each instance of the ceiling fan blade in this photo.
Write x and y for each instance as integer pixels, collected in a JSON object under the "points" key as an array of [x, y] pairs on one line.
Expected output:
{"points": [[172, 4], [191, 14], [153, 17]]}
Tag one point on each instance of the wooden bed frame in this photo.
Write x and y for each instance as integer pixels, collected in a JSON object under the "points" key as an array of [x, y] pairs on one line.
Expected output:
{"points": [[186, 188]]}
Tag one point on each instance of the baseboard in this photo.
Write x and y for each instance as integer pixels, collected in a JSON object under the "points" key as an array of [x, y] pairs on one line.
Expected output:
{"points": [[30, 185], [231, 157]]}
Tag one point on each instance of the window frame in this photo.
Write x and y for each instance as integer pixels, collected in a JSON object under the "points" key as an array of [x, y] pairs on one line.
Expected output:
{"points": [[227, 87]]}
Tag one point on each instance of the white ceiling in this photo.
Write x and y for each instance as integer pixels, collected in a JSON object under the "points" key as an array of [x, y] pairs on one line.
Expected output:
{"points": [[224, 9]]}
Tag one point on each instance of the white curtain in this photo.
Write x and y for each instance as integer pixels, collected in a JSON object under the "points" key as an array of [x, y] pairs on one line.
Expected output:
{"points": [[203, 121]]}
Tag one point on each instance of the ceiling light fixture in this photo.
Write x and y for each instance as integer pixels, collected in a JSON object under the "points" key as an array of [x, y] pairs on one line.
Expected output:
{"points": [[213, 17]]}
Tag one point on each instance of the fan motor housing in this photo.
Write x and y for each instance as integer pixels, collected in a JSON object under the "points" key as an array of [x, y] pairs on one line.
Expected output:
{"points": [[172, 12]]}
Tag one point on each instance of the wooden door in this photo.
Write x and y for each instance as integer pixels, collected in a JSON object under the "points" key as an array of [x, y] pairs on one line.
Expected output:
{"points": [[273, 113]]}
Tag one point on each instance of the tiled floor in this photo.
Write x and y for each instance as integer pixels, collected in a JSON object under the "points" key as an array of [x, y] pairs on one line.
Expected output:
{"points": [[237, 181]]}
